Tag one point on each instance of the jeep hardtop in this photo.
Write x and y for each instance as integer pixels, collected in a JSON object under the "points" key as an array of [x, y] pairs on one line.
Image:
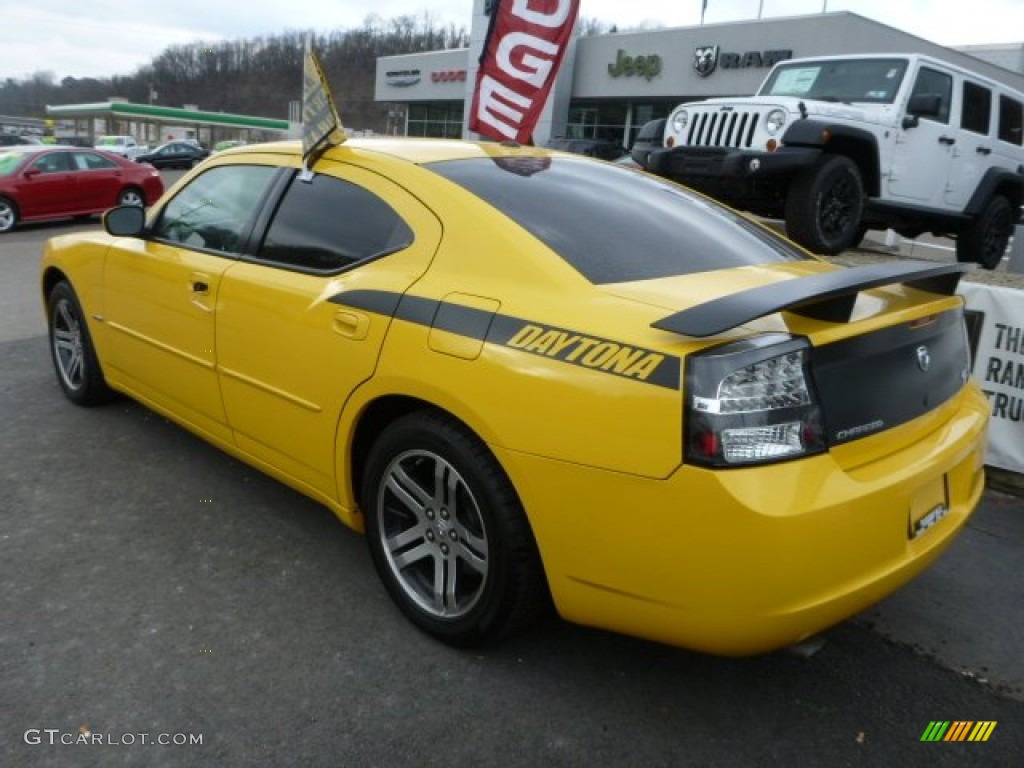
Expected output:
{"points": [[838, 145]]}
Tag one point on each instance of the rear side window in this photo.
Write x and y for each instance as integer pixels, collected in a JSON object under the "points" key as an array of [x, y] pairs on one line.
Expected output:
{"points": [[976, 109], [327, 224], [612, 224], [1011, 120], [90, 161]]}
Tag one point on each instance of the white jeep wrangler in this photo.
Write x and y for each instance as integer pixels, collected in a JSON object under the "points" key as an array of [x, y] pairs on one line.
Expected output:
{"points": [[838, 145]]}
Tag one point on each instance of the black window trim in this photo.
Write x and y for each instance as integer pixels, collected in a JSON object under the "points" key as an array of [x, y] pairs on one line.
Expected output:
{"points": [[250, 253], [247, 231]]}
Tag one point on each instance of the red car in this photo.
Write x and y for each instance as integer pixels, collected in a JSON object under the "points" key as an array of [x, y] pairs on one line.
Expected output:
{"points": [[48, 182]]}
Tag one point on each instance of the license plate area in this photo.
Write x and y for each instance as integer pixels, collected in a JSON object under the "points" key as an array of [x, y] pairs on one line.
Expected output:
{"points": [[929, 505]]}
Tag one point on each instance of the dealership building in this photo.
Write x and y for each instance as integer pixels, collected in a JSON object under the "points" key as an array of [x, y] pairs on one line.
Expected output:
{"points": [[610, 85]]}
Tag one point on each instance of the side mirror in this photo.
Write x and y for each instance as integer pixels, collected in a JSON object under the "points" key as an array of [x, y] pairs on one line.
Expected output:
{"points": [[125, 221], [922, 105], [31, 173]]}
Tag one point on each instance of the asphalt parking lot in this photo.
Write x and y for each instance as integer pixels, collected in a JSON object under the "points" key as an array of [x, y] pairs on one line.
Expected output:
{"points": [[152, 585]]}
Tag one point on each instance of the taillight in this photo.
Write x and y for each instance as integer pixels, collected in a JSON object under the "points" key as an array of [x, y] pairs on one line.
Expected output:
{"points": [[750, 402]]}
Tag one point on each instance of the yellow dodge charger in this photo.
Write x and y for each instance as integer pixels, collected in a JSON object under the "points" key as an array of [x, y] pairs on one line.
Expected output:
{"points": [[533, 378]]}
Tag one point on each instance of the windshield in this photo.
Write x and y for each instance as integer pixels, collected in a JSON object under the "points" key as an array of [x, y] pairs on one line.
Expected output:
{"points": [[846, 80], [614, 225], [8, 162]]}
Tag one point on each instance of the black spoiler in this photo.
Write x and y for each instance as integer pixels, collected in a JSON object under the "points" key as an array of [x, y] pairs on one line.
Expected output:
{"points": [[828, 296]]}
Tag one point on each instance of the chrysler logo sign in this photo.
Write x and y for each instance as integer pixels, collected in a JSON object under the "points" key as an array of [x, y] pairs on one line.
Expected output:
{"points": [[402, 78]]}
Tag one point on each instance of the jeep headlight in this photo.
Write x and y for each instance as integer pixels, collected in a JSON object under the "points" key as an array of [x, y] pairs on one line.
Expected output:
{"points": [[774, 121], [679, 121]]}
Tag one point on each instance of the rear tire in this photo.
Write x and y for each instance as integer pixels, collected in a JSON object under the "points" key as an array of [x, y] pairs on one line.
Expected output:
{"points": [[447, 533], [824, 205], [984, 240], [74, 357]]}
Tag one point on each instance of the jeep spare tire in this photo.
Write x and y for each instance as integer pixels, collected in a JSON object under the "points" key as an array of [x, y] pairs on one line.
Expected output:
{"points": [[824, 205]]}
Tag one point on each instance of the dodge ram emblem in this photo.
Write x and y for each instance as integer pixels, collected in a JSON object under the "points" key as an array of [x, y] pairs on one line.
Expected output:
{"points": [[705, 59], [924, 359]]}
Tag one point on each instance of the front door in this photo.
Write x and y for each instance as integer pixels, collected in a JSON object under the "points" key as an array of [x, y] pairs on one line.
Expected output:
{"points": [[161, 294], [923, 153]]}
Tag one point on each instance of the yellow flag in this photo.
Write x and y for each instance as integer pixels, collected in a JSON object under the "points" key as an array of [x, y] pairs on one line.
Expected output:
{"points": [[320, 120]]}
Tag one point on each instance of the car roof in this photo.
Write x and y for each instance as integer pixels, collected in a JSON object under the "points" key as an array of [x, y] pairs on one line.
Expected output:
{"points": [[417, 151]]}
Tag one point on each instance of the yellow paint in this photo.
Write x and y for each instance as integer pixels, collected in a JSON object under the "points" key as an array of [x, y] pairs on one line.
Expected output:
{"points": [[632, 540]]}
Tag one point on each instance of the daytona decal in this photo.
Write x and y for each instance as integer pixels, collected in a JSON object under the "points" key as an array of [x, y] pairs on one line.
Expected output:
{"points": [[566, 346]]}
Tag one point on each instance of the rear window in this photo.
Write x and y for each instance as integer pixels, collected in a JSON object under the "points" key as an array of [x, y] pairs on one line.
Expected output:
{"points": [[616, 225]]}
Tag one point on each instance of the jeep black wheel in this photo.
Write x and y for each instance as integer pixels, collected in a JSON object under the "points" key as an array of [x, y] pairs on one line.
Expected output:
{"points": [[447, 533], [984, 240], [824, 205]]}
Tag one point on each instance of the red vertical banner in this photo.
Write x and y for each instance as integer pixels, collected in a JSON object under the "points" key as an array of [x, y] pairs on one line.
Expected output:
{"points": [[525, 43]]}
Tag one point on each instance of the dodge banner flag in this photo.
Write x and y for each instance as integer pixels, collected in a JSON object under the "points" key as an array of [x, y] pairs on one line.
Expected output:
{"points": [[523, 50]]}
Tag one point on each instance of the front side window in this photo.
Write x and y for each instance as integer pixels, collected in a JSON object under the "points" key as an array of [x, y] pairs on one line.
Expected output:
{"points": [[931, 82], [55, 162], [215, 210], [976, 108], [613, 225], [327, 224]]}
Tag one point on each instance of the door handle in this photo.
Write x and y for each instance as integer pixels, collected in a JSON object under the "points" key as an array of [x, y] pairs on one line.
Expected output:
{"points": [[199, 286], [983, 151], [351, 325], [947, 140]]}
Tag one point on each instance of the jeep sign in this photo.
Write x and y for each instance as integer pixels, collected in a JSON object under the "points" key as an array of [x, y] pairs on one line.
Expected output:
{"points": [[646, 67]]}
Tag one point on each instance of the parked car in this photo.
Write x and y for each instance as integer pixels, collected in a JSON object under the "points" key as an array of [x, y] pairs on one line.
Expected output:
{"points": [[14, 140], [175, 154], [220, 146], [74, 141], [123, 146], [842, 144], [527, 374], [43, 182], [599, 148]]}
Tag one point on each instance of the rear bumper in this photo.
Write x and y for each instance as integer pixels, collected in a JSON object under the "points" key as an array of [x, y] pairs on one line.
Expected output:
{"points": [[748, 560]]}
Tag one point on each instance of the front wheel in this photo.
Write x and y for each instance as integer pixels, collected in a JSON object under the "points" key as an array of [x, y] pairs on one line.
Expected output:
{"points": [[447, 533], [74, 357], [824, 205], [984, 240]]}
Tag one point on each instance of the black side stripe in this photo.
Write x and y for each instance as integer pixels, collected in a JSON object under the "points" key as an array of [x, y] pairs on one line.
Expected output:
{"points": [[564, 345]]}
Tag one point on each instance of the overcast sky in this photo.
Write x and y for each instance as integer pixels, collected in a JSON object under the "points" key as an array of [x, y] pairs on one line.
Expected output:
{"points": [[100, 38]]}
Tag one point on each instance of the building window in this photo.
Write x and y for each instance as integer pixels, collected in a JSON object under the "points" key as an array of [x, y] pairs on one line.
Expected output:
{"points": [[442, 120]]}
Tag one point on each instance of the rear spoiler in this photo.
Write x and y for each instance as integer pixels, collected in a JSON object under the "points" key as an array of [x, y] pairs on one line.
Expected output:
{"points": [[829, 296]]}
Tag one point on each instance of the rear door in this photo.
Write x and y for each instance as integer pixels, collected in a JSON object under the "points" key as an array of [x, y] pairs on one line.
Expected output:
{"points": [[973, 151], [99, 179], [288, 356]]}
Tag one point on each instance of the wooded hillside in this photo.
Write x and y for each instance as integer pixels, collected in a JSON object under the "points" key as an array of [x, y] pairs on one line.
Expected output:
{"points": [[257, 76]]}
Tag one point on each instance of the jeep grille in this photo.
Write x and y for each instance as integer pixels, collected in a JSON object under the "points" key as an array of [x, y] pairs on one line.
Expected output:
{"points": [[722, 128]]}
